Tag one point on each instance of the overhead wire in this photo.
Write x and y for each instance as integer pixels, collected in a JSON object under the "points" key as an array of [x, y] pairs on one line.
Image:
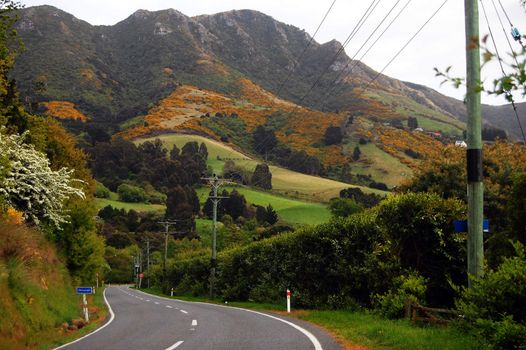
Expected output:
{"points": [[507, 93], [504, 31], [352, 61], [370, 9], [403, 48], [298, 60]]}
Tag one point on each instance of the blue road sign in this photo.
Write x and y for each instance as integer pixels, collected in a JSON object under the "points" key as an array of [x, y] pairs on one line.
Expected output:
{"points": [[84, 290], [462, 225]]}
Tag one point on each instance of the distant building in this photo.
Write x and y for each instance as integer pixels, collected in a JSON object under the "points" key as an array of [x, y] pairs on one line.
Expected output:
{"points": [[461, 143]]}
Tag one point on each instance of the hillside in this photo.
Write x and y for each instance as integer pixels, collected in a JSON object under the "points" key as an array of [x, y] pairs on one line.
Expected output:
{"points": [[122, 69], [284, 182]]}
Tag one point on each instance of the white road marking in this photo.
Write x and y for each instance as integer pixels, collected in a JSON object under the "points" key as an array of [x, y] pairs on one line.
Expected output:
{"points": [[312, 338], [175, 345], [112, 317], [194, 322], [184, 312], [156, 303], [147, 299], [168, 306]]}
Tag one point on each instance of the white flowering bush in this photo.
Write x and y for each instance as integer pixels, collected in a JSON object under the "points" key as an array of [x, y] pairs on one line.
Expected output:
{"points": [[29, 184]]}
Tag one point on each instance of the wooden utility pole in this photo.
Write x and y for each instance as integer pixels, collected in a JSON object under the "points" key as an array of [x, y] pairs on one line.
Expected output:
{"points": [[215, 183], [148, 260], [475, 188], [166, 224]]}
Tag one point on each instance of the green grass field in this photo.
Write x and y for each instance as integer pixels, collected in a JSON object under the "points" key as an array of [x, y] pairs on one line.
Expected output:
{"points": [[103, 202], [284, 182], [380, 165], [289, 210]]}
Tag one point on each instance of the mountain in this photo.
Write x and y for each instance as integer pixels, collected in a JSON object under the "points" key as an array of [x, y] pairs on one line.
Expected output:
{"points": [[112, 74]]}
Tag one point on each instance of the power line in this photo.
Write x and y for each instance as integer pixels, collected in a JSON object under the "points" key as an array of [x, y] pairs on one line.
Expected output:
{"points": [[507, 93], [504, 31], [351, 61], [403, 48], [356, 28], [304, 50]]}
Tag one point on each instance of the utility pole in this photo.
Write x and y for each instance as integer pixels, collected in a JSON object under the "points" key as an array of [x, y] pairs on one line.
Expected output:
{"points": [[215, 183], [475, 188], [148, 260], [166, 224]]}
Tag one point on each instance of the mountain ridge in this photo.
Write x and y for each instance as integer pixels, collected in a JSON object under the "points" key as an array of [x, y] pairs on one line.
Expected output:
{"points": [[114, 73]]}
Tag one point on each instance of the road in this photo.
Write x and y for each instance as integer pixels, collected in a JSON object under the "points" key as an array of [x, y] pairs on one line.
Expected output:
{"points": [[142, 321]]}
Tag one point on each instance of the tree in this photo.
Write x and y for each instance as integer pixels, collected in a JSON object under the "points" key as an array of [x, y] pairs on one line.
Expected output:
{"points": [[180, 206], [412, 123], [333, 135], [356, 153], [343, 207], [203, 151], [272, 216], [30, 185], [262, 177], [419, 225], [263, 140]]}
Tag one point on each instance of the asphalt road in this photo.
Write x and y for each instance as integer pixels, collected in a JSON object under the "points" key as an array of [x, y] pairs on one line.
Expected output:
{"points": [[142, 321]]}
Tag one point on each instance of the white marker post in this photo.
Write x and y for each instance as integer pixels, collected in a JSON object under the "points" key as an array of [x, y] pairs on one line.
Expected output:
{"points": [[172, 292], [288, 301], [86, 313], [83, 291]]}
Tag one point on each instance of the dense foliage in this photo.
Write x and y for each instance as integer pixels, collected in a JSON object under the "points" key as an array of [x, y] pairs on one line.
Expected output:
{"points": [[342, 263]]}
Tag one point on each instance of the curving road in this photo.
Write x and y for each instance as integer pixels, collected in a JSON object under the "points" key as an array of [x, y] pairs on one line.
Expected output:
{"points": [[142, 321]]}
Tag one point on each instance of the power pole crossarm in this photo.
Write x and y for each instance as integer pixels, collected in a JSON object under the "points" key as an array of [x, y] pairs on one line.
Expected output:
{"points": [[475, 188]]}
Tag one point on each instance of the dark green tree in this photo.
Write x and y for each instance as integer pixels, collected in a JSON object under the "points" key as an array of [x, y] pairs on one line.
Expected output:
{"points": [[263, 140], [272, 216], [333, 135], [262, 177], [412, 123], [356, 153]]}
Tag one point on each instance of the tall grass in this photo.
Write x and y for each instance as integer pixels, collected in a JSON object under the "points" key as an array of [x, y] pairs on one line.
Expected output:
{"points": [[36, 295]]}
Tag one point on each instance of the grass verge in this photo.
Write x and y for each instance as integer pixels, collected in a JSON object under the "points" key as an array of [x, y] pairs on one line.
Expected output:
{"points": [[98, 313], [361, 330]]}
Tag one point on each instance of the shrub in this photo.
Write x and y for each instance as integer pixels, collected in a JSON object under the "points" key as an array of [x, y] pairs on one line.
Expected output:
{"points": [[130, 193], [420, 228], [349, 255], [102, 191], [494, 307], [410, 287]]}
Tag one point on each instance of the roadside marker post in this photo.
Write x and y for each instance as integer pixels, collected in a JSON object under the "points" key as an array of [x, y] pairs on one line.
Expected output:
{"points": [[172, 292], [84, 291], [288, 301]]}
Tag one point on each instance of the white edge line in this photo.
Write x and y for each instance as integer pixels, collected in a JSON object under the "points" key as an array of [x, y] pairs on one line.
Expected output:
{"points": [[312, 338], [112, 317], [175, 345]]}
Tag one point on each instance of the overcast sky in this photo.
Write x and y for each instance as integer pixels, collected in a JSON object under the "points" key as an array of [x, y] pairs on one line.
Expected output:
{"points": [[440, 44]]}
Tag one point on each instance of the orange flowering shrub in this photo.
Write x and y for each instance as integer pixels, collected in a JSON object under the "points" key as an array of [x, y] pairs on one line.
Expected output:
{"points": [[63, 110]]}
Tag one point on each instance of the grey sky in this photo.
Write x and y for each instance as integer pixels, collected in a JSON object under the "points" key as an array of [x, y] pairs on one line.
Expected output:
{"points": [[440, 44]]}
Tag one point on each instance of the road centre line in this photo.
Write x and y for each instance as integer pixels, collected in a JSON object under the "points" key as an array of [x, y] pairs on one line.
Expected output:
{"points": [[194, 322], [175, 345], [312, 338], [170, 307], [184, 312]]}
